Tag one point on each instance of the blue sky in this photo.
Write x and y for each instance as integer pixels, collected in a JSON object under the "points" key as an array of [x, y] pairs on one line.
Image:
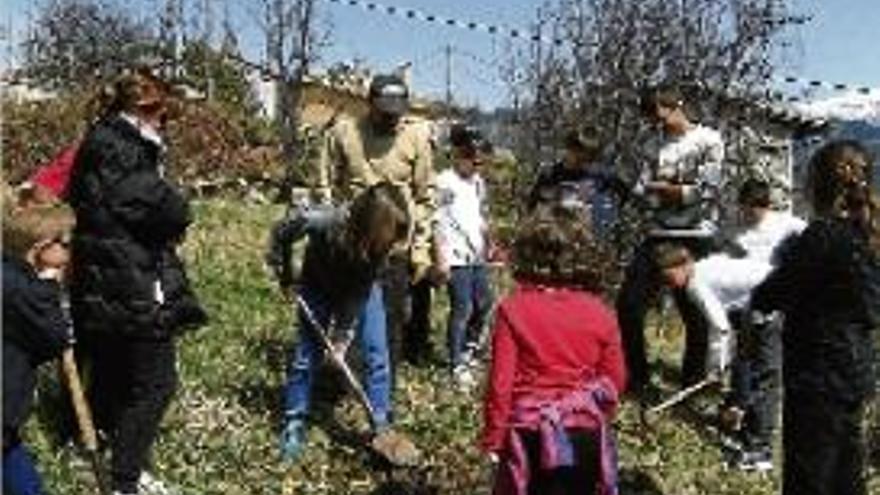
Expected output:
{"points": [[839, 45]]}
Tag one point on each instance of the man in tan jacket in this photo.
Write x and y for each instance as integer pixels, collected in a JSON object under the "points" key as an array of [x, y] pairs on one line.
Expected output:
{"points": [[386, 145], [383, 145]]}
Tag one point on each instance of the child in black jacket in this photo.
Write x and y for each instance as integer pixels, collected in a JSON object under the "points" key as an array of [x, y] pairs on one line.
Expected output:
{"points": [[35, 330], [828, 287]]}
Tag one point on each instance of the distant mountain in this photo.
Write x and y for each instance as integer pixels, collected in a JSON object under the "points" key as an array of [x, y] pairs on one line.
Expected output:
{"points": [[852, 106], [854, 116]]}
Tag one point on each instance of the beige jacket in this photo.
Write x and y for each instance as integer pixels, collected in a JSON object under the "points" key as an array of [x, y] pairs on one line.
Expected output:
{"points": [[354, 157]]}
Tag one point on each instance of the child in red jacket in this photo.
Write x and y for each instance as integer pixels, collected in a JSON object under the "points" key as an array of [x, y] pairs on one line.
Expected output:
{"points": [[557, 365]]}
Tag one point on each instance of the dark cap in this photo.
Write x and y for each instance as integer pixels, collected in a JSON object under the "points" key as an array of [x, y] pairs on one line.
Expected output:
{"points": [[389, 94], [470, 138]]}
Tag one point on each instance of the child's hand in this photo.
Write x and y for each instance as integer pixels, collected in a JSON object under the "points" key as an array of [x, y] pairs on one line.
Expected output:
{"points": [[667, 192], [440, 274]]}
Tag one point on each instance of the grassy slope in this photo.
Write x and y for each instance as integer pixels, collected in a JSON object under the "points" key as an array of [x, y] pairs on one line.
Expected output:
{"points": [[220, 435]]}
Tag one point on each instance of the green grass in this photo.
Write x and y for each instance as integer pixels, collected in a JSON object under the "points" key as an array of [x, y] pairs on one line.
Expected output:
{"points": [[220, 435]]}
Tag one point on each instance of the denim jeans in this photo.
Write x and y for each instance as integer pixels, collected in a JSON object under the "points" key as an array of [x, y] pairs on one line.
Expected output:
{"points": [[755, 375], [20, 476], [470, 299], [373, 341]]}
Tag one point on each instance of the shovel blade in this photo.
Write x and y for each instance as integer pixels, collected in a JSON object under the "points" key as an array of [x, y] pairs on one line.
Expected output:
{"points": [[396, 449]]}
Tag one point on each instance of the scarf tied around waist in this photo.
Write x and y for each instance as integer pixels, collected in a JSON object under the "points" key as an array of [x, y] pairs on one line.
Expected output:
{"points": [[586, 409]]}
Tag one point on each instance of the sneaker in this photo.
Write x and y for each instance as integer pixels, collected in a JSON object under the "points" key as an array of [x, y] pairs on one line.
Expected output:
{"points": [[395, 447], [731, 444], [293, 439], [464, 378], [150, 485], [759, 461], [471, 355]]}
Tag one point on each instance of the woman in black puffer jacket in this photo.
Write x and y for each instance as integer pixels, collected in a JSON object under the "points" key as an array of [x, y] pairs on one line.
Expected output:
{"points": [[129, 291]]}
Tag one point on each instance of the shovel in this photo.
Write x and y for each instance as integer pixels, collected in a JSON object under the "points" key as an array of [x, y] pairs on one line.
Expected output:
{"points": [[393, 447], [83, 418], [651, 413]]}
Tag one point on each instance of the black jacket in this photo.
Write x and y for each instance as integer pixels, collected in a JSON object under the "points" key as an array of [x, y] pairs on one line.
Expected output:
{"points": [[35, 330], [828, 286], [331, 270], [127, 277]]}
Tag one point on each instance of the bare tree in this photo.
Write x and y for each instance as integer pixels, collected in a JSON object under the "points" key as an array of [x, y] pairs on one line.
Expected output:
{"points": [[172, 35], [592, 57], [292, 43], [589, 61], [73, 42]]}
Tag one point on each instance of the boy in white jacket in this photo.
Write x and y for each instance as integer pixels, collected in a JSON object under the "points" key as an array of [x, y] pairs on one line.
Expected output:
{"points": [[721, 285], [461, 234]]}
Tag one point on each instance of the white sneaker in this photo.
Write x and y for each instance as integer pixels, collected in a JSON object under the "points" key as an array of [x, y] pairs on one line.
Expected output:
{"points": [[464, 378], [759, 461], [150, 485]]}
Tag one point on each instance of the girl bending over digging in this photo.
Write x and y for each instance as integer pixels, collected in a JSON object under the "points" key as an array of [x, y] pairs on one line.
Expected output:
{"points": [[339, 291], [557, 365]]}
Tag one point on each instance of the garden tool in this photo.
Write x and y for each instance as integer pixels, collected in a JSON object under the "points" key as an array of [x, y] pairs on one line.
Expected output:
{"points": [[83, 418], [680, 397], [390, 445]]}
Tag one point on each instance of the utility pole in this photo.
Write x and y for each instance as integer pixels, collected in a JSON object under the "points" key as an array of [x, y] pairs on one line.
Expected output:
{"points": [[207, 46], [448, 83]]}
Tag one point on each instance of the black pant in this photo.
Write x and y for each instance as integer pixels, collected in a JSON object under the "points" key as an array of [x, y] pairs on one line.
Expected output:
{"points": [[417, 331], [133, 382], [564, 480], [640, 285], [755, 375], [408, 309], [398, 307], [824, 446]]}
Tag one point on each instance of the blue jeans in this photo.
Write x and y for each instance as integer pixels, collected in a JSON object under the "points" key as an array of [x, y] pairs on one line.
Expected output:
{"points": [[20, 476], [470, 299], [371, 335]]}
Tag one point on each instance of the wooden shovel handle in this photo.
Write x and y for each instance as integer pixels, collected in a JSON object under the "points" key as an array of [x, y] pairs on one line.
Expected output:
{"points": [[80, 406]]}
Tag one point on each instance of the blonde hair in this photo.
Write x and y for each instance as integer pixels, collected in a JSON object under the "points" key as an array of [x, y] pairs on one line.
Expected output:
{"points": [[26, 227]]}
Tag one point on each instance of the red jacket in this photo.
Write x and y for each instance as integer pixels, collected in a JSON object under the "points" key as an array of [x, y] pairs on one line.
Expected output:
{"points": [[547, 342], [55, 175]]}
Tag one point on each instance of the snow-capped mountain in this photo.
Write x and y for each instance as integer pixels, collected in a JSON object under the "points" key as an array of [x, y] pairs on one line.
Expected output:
{"points": [[853, 115], [852, 106]]}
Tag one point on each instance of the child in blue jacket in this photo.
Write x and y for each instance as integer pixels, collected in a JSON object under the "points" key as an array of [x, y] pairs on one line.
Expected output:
{"points": [[35, 329]]}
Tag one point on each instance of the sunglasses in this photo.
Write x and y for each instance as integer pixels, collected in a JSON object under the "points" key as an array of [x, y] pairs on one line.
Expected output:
{"points": [[61, 240]]}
